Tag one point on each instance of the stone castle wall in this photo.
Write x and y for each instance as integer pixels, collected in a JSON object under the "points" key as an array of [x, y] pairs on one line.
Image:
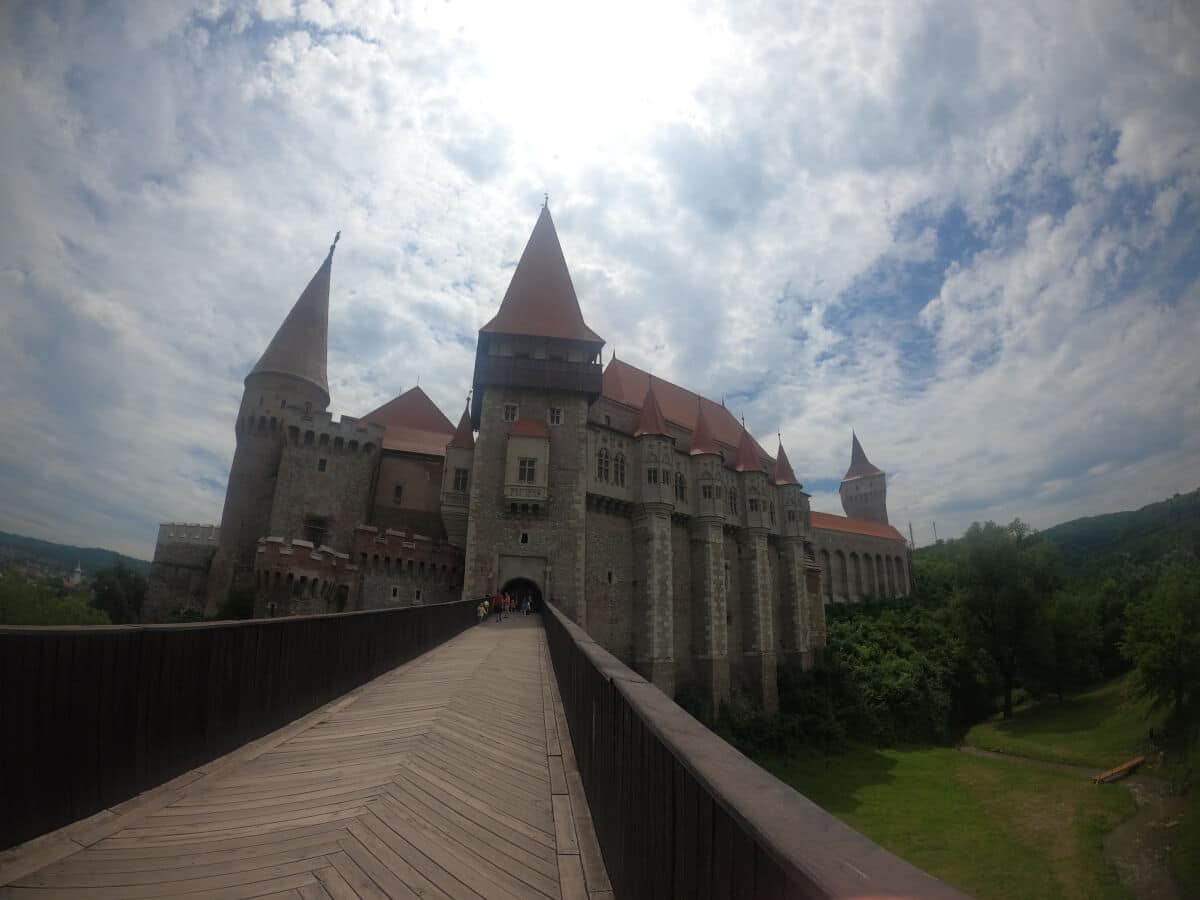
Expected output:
{"points": [[178, 576]]}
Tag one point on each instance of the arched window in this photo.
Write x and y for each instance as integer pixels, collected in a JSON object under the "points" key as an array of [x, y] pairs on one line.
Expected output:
{"points": [[619, 469], [680, 487], [602, 464]]}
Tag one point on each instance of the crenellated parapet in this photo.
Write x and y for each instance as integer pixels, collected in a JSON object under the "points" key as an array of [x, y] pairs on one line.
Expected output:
{"points": [[293, 577]]}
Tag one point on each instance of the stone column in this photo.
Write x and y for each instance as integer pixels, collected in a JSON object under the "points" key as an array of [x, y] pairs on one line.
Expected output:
{"points": [[816, 616], [654, 628], [795, 600], [711, 633], [758, 634]]}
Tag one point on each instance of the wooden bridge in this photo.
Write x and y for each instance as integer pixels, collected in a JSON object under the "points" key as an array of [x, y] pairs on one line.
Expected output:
{"points": [[453, 775]]}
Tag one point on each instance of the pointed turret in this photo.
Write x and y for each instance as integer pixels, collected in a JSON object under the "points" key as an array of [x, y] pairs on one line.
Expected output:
{"points": [[859, 464], [747, 459], [300, 346], [541, 301], [783, 468], [702, 438], [651, 420], [464, 437]]}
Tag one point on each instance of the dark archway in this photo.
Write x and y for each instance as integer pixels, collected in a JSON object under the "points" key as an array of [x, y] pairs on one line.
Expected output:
{"points": [[520, 588]]}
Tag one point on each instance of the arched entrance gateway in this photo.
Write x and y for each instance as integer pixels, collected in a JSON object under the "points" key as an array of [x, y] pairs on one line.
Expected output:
{"points": [[520, 589]]}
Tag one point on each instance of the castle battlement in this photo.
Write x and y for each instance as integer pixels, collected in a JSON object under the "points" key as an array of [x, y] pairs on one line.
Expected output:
{"points": [[318, 429], [274, 553], [188, 533]]}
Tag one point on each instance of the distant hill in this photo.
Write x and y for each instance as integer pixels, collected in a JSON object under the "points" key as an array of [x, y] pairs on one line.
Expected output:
{"points": [[63, 557], [1144, 533]]}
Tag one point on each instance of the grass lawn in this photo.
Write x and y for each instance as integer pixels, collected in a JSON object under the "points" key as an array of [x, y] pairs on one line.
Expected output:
{"points": [[1100, 728], [993, 828]]}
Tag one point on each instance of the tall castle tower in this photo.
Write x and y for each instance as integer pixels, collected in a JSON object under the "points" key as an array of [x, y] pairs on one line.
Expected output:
{"points": [[289, 379], [864, 487], [537, 369]]}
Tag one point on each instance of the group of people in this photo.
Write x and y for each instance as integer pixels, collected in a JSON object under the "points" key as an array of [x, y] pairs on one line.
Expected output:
{"points": [[503, 604]]}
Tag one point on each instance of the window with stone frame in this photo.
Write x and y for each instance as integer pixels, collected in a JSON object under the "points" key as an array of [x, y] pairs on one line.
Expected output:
{"points": [[602, 464], [652, 475], [527, 469], [510, 412], [322, 464], [680, 487], [753, 504], [315, 529], [397, 493], [733, 501], [706, 491], [772, 513], [619, 470], [460, 479], [554, 415], [791, 515]]}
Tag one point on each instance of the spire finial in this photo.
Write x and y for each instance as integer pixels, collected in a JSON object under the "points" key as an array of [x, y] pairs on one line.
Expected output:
{"points": [[337, 237], [743, 421], [546, 201]]}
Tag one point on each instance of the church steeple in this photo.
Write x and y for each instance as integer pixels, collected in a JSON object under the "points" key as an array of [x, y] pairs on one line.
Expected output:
{"points": [[300, 346]]}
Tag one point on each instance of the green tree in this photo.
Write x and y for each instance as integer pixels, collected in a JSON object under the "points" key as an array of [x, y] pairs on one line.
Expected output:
{"points": [[25, 601], [119, 591], [1162, 639], [1005, 575], [1069, 643]]}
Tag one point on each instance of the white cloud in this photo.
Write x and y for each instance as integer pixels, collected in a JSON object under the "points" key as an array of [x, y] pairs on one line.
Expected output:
{"points": [[749, 196]]}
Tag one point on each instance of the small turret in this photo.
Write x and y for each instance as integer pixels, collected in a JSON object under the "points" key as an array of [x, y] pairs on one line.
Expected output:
{"points": [[457, 478], [752, 481], [657, 449], [707, 468], [792, 498], [864, 487]]}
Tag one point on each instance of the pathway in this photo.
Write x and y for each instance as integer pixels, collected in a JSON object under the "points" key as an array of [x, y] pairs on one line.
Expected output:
{"points": [[449, 777]]}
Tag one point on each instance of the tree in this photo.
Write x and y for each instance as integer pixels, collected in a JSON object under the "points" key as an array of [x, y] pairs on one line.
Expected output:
{"points": [[119, 591], [1005, 575], [1068, 643], [1162, 639]]}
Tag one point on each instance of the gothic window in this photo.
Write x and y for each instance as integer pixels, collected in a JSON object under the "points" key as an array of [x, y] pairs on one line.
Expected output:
{"points": [[322, 464], [460, 479], [524, 537], [510, 412], [395, 592], [680, 487], [733, 501], [706, 491], [602, 465], [555, 415], [527, 469], [652, 476], [417, 596], [753, 501], [791, 515], [619, 469]]}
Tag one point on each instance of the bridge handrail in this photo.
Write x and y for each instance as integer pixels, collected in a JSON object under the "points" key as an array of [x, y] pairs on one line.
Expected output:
{"points": [[92, 715], [679, 812]]}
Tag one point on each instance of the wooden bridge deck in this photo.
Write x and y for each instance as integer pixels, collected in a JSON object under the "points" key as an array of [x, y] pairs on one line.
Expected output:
{"points": [[449, 777]]}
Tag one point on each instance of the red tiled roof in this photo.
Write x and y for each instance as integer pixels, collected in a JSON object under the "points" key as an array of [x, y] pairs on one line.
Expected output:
{"points": [[464, 435], [413, 423], [530, 428], [859, 464], [783, 468], [702, 436], [651, 420], [540, 300], [747, 458], [628, 384], [829, 522], [300, 346]]}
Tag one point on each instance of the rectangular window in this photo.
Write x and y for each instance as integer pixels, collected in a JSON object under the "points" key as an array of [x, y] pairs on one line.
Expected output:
{"points": [[322, 464], [526, 469], [707, 491], [417, 596], [395, 592], [460, 479], [753, 504], [555, 415], [398, 493], [314, 530], [652, 476], [791, 515], [510, 412]]}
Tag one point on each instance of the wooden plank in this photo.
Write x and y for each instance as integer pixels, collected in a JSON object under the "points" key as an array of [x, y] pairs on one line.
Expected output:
{"points": [[558, 778], [570, 874], [564, 825]]}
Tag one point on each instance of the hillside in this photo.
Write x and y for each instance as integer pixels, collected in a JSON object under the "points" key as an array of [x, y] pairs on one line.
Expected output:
{"points": [[1144, 533], [63, 557]]}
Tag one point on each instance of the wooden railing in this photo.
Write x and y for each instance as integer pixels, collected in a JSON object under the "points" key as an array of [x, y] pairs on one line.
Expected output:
{"points": [[680, 813], [90, 716]]}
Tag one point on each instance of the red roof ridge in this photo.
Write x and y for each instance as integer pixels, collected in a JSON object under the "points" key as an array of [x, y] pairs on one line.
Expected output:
{"points": [[300, 347], [831, 522], [540, 300], [464, 435], [783, 467], [651, 420]]}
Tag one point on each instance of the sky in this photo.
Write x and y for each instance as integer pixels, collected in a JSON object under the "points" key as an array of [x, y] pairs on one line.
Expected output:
{"points": [[970, 232]]}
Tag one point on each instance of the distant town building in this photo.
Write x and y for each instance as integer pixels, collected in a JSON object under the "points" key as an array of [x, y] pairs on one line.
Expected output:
{"points": [[648, 513]]}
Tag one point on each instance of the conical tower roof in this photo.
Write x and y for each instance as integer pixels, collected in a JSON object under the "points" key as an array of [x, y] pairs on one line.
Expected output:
{"points": [[300, 346], [859, 464], [541, 300], [651, 419], [783, 468], [702, 437], [747, 459], [464, 437]]}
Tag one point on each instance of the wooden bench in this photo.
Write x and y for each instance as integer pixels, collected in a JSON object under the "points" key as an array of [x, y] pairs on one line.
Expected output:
{"points": [[1119, 772]]}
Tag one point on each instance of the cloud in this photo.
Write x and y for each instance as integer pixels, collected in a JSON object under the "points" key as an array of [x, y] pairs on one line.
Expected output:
{"points": [[967, 232]]}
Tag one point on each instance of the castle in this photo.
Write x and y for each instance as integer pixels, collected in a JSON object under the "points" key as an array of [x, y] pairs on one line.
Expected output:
{"points": [[647, 513]]}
